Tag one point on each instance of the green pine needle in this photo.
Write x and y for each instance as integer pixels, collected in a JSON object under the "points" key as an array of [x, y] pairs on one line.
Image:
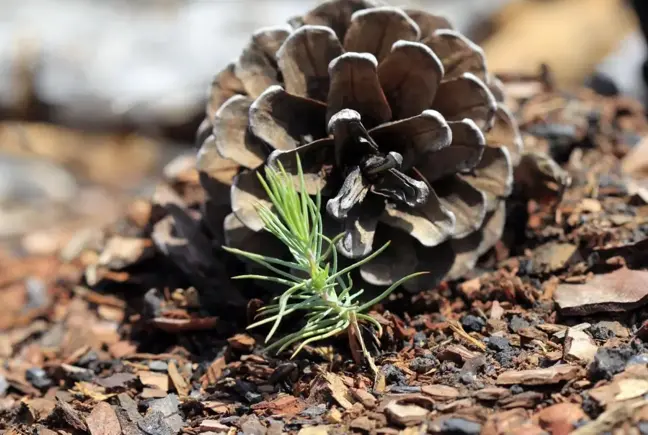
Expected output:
{"points": [[323, 293]]}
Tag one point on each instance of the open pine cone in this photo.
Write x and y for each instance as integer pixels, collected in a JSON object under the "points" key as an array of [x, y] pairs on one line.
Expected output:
{"points": [[396, 121]]}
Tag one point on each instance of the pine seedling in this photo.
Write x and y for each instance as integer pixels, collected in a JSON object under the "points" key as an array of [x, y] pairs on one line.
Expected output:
{"points": [[316, 286]]}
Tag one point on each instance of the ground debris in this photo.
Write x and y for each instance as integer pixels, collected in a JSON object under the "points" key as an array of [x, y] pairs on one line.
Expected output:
{"points": [[136, 328]]}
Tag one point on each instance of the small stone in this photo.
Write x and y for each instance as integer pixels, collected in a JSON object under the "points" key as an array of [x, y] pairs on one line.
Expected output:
{"points": [[314, 411], [615, 328], [420, 339], [248, 390], [423, 364], [504, 353], [405, 414], [4, 385], [600, 332], [158, 366], [518, 323], [37, 296], [641, 359], [516, 389], [473, 323], [608, 362], [154, 424], [394, 375], [471, 368], [460, 426], [498, 344], [168, 407], [579, 347], [38, 378]]}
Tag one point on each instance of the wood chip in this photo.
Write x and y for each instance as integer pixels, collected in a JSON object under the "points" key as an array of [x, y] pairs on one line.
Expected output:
{"points": [[579, 347], [152, 393], [213, 426], [338, 390], [179, 382], [551, 375], [153, 379]]}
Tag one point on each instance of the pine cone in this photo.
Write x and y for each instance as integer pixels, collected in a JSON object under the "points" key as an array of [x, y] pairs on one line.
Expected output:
{"points": [[397, 123]]}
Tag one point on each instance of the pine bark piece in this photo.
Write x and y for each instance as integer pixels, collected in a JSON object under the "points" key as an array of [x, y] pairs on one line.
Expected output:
{"points": [[618, 291], [156, 380], [103, 420], [440, 392], [70, 416], [551, 375], [179, 382]]}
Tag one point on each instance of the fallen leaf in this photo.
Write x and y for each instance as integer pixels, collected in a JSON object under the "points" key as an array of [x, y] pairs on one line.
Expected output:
{"points": [[95, 392]]}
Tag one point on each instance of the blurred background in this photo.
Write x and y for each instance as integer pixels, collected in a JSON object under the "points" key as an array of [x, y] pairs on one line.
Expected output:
{"points": [[97, 97]]}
